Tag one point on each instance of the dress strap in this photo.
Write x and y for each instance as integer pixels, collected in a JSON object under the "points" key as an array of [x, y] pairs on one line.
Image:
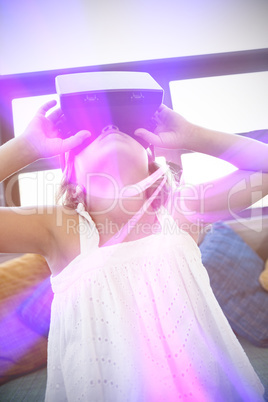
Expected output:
{"points": [[89, 235], [165, 219], [123, 232]]}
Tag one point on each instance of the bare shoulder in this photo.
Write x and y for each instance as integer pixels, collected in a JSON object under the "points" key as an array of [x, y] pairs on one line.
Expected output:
{"points": [[52, 231], [65, 240], [183, 221], [62, 218], [187, 226]]}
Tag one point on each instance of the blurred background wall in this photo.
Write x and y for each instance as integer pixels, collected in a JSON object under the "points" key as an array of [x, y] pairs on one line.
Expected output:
{"points": [[38, 35]]}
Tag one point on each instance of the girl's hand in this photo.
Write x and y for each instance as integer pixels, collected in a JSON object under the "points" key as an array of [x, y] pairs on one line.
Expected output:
{"points": [[171, 130], [42, 134]]}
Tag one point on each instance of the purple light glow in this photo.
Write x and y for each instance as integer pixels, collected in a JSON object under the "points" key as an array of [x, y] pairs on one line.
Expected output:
{"points": [[23, 348]]}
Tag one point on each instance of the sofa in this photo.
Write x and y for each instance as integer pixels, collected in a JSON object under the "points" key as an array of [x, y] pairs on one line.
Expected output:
{"points": [[26, 297]]}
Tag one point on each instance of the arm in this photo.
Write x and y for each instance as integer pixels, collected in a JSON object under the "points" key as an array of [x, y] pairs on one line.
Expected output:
{"points": [[27, 229], [243, 152], [14, 155], [220, 199], [174, 133]]}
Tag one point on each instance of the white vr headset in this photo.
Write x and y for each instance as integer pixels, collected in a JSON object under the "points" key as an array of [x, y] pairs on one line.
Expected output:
{"points": [[91, 101]]}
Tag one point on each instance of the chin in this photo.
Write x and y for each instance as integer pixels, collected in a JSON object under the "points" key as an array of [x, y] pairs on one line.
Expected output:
{"points": [[116, 155]]}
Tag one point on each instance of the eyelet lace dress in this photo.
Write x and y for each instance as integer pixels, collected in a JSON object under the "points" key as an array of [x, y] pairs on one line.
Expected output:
{"points": [[137, 321]]}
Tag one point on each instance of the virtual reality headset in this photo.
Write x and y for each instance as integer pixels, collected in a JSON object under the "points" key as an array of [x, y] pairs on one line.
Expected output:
{"points": [[92, 101]]}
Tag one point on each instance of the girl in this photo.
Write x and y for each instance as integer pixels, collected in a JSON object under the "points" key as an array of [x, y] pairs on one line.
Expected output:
{"points": [[133, 316]]}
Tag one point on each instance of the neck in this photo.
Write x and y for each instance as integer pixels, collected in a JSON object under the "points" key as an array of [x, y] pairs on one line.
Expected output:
{"points": [[124, 225], [104, 186], [120, 209]]}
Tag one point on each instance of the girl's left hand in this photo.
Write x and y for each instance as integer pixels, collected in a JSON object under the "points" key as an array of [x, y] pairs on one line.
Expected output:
{"points": [[171, 130]]}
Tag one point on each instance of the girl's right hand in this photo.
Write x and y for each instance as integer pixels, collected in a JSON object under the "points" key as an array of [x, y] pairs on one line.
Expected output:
{"points": [[42, 134]]}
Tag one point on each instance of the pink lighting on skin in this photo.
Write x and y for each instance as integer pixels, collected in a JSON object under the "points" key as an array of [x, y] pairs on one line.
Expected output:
{"points": [[113, 153]]}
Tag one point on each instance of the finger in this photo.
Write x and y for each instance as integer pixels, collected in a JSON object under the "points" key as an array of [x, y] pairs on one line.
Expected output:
{"points": [[148, 137], [158, 115], [56, 115], [75, 140], [63, 128], [161, 108], [46, 107]]}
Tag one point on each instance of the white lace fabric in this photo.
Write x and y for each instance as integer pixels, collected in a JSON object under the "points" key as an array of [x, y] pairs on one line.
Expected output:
{"points": [[137, 321]]}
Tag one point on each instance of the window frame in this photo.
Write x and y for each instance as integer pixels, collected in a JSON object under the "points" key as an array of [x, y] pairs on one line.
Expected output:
{"points": [[162, 70]]}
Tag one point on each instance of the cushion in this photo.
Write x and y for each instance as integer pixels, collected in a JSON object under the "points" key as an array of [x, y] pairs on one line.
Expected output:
{"points": [[263, 279], [22, 349], [234, 270], [35, 310]]}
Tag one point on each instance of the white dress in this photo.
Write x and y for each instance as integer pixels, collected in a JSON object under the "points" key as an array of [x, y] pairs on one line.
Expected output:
{"points": [[138, 322]]}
